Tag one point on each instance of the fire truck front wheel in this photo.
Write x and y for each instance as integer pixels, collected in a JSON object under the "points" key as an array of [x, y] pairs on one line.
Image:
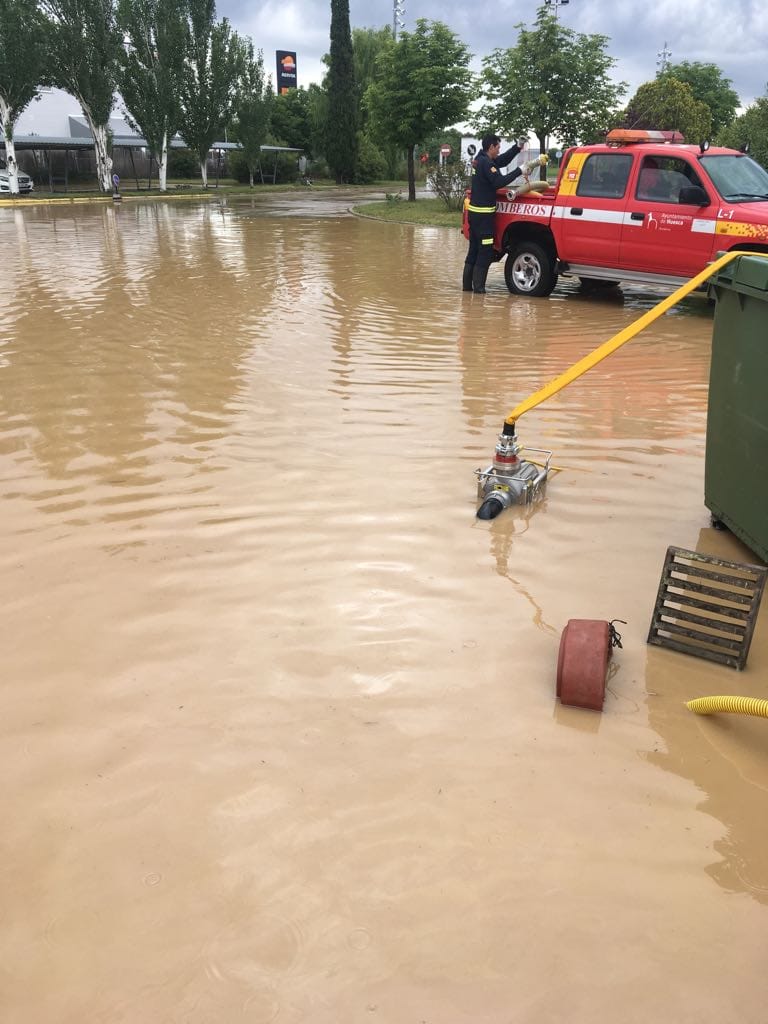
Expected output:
{"points": [[530, 270]]}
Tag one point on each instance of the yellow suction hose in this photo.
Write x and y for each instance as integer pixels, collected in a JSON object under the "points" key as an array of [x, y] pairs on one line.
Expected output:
{"points": [[729, 705], [625, 335]]}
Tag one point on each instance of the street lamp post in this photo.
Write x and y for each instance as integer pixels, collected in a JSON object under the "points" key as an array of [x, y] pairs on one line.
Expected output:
{"points": [[398, 11], [556, 4], [662, 59]]}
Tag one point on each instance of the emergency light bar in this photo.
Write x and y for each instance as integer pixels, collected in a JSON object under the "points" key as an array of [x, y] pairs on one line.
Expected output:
{"points": [[625, 136]]}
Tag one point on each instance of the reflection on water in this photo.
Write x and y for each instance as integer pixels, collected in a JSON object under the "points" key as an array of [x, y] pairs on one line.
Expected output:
{"points": [[279, 731]]}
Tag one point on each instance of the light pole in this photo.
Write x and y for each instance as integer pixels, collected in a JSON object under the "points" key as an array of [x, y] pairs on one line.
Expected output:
{"points": [[398, 11], [556, 4]]}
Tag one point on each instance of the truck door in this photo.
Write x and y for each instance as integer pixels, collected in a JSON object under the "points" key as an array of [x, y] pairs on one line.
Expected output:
{"points": [[590, 207], [663, 231]]}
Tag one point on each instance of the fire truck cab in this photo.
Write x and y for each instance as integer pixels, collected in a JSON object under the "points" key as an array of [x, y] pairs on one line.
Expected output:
{"points": [[641, 207]]}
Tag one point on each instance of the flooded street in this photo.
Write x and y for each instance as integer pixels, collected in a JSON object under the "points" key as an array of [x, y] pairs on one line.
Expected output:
{"points": [[279, 734]]}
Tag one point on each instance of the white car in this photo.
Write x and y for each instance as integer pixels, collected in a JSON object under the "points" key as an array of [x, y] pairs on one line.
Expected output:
{"points": [[25, 182]]}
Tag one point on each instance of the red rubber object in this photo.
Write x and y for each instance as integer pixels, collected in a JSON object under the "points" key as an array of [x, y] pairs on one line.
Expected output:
{"points": [[582, 663]]}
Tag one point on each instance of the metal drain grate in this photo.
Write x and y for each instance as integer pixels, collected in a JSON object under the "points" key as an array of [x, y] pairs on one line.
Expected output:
{"points": [[707, 606]]}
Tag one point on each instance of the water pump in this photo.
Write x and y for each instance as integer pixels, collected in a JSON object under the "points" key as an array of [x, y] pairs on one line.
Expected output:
{"points": [[510, 480]]}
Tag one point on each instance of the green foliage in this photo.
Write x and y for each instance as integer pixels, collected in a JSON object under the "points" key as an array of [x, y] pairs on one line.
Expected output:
{"points": [[708, 85], [182, 163], [425, 85], [23, 58], [371, 165], [238, 167], [367, 44], [449, 183], [432, 146], [152, 65], [554, 81], [430, 212], [667, 104], [341, 126], [209, 83], [253, 109], [85, 53], [752, 128], [317, 105], [291, 119]]}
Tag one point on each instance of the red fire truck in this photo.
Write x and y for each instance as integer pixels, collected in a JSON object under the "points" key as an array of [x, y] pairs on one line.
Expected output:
{"points": [[641, 207]]}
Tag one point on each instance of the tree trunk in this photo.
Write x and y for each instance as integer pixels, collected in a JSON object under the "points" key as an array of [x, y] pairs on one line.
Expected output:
{"points": [[411, 176], [542, 149], [204, 170], [103, 159], [250, 175], [162, 165], [10, 149]]}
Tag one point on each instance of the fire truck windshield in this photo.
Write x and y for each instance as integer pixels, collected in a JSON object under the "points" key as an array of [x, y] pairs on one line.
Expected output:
{"points": [[738, 179]]}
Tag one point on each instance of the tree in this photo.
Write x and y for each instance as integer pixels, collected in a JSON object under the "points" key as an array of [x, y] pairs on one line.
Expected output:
{"points": [[752, 128], [708, 86], [341, 128], [22, 60], [367, 44], [253, 109], [667, 104], [152, 65], [291, 119], [376, 157], [554, 81], [425, 85], [85, 55], [213, 63]]}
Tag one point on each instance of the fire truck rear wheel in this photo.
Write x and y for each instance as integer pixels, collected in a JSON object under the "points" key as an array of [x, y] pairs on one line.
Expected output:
{"points": [[530, 270]]}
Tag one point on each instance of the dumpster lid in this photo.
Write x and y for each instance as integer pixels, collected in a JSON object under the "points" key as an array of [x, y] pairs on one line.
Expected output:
{"points": [[747, 271]]}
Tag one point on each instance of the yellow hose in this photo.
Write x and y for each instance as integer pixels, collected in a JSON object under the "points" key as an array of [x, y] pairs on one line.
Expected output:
{"points": [[729, 705], [625, 335]]}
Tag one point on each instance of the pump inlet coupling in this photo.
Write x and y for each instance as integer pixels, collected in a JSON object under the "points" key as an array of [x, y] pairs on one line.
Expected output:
{"points": [[510, 480]]}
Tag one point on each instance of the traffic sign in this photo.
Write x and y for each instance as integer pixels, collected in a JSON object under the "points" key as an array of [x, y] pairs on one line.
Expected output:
{"points": [[445, 150]]}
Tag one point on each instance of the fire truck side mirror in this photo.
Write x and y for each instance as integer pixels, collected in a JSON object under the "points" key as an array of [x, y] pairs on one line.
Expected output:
{"points": [[693, 195]]}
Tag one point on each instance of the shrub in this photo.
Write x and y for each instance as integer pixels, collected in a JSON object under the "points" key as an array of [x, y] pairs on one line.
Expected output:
{"points": [[182, 163], [449, 183], [371, 165]]}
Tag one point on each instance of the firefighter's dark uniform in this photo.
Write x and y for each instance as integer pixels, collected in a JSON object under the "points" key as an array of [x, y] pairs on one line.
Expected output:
{"points": [[482, 210]]}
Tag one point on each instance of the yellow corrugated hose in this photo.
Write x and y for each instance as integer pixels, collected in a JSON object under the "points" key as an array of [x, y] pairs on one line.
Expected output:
{"points": [[625, 335], [729, 705]]}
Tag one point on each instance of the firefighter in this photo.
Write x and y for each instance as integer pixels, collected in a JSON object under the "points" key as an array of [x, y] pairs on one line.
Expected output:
{"points": [[482, 206]]}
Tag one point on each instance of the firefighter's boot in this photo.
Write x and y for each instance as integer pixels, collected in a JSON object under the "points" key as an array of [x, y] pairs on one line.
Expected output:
{"points": [[479, 274], [466, 281]]}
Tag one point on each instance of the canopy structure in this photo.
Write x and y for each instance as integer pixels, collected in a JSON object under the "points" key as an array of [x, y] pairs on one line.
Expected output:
{"points": [[80, 140]]}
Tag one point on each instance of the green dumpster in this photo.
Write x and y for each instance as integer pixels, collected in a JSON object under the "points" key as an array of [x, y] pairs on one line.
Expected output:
{"points": [[736, 469]]}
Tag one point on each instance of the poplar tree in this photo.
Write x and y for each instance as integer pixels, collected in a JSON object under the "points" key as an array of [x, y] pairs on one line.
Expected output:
{"points": [[253, 108], [213, 61], [22, 62], [341, 127], [85, 54], [152, 64]]}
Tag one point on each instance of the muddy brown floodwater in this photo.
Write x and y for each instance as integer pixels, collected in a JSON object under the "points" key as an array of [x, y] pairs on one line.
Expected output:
{"points": [[279, 738]]}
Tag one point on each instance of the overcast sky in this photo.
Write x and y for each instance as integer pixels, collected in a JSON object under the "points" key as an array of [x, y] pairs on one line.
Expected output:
{"points": [[732, 34]]}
